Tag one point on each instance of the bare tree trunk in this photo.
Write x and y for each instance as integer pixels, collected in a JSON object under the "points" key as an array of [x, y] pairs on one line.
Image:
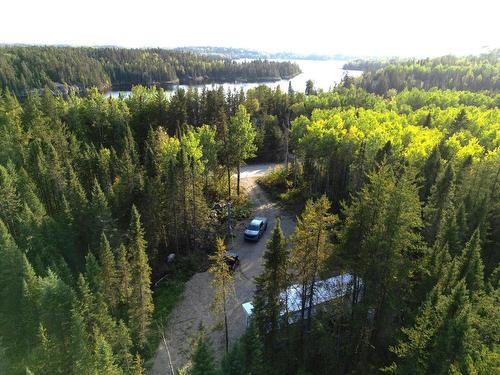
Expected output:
{"points": [[228, 183], [238, 184], [164, 339], [161, 330]]}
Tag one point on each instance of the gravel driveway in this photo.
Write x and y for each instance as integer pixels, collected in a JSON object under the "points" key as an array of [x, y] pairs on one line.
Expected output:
{"points": [[182, 325]]}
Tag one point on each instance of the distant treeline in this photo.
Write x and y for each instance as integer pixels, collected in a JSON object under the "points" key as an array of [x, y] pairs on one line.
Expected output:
{"points": [[23, 69], [472, 73], [243, 53]]}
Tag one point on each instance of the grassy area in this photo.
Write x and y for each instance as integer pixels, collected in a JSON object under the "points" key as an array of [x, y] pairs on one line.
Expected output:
{"points": [[168, 293]]}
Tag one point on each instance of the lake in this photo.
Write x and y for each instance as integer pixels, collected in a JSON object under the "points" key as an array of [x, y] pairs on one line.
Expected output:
{"points": [[325, 74]]}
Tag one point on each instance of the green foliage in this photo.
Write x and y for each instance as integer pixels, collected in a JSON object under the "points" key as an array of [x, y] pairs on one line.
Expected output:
{"points": [[203, 362], [472, 73], [141, 298], [413, 177], [23, 69], [267, 301]]}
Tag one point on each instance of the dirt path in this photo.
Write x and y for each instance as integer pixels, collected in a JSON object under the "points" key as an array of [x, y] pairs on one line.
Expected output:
{"points": [[195, 305]]}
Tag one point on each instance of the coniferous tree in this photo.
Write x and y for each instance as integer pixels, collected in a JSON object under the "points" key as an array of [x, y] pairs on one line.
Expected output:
{"points": [[252, 350], [11, 294], [381, 242], [440, 203], [223, 283], [472, 265], [102, 355], [141, 299], [269, 303], [233, 363], [122, 346], [202, 360], [310, 249], [9, 199], [100, 214], [108, 273], [431, 170], [137, 367], [123, 275]]}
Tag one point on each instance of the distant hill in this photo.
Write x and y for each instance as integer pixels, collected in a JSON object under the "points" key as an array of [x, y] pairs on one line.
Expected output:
{"points": [[243, 53], [27, 68]]}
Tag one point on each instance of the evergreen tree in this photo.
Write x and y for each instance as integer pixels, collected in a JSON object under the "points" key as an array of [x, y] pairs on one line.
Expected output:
{"points": [[122, 346], [252, 349], [9, 199], [100, 214], [102, 356], [232, 363], [203, 362], [270, 285], [223, 283], [123, 275], [381, 242], [141, 298], [310, 88], [137, 367], [440, 203], [472, 265], [11, 294], [310, 249], [431, 169], [108, 273]]}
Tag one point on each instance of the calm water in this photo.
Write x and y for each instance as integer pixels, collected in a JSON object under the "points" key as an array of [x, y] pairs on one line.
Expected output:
{"points": [[325, 74]]}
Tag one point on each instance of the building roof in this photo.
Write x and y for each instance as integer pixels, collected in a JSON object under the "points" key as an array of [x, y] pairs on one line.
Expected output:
{"points": [[325, 290], [248, 307]]}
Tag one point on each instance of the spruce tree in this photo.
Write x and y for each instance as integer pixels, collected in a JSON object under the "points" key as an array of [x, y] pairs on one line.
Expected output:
{"points": [[137, 366], [202, 360], [431, 170], [108, 273], [472, 265], [11, 294], [141, 297], [122, 344], [252, 349], [440, 204], [311, 248], [9, 199], [268, 302], [102, 356], [101, 215], [223, 283], [233, 363], [123, 277]]}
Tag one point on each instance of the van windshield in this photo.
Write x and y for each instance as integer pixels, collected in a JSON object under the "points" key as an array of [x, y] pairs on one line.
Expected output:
{"points": [[253, 227]]}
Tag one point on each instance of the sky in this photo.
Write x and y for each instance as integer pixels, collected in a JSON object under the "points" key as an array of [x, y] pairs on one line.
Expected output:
{"points": [[353, 27]]}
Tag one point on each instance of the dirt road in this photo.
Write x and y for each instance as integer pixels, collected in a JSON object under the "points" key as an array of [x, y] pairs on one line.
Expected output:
{"points": [[195, 305]]}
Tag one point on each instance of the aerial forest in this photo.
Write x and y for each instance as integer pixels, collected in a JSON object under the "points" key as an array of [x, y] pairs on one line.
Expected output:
{"points": [[394, 179]]}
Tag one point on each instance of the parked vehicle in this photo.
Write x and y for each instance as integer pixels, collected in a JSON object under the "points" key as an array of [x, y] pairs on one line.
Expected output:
{"points": [[255, 230], [232, 260]]}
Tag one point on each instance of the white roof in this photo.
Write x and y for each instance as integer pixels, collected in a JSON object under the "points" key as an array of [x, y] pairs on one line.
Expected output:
{"points": [[248, 307], [325, 290]]}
